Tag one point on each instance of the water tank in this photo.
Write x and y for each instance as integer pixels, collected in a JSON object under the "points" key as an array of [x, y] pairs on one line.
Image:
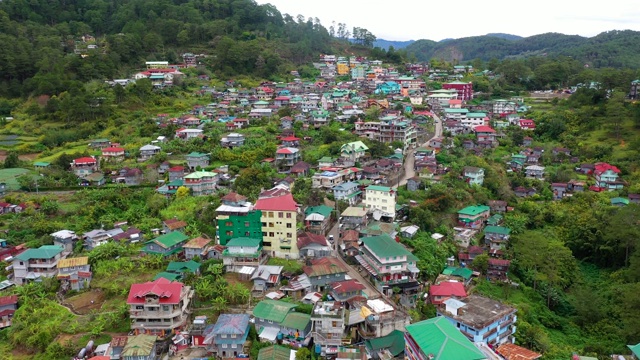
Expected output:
{"points": [[89, 346], [82, 353]]}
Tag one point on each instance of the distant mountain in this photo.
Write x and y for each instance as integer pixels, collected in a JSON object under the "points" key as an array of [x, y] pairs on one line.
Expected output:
{"points": [[608, 49], [505, 36], [384, 44]]}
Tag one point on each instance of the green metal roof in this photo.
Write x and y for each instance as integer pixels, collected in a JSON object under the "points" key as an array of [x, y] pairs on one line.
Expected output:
{"points": [[200, 175], [43, 252], [394, 342], [167, 275], [323, 210], [244, 242], [41, 163], [474, 210], [439, 337], [476, 114], [354, 146], [464, 273], [455, 111], [197, 154], [384, 246], [494, 219], [273, 310], [619, 200], [326, 159], [275, 352], [378, 188], [183, 266], [170, 239], [635, 349], [497, 230], [296, 320]]}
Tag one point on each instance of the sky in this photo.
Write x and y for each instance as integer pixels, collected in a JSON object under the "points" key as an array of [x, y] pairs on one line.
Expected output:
{"points": [[424, 19]]}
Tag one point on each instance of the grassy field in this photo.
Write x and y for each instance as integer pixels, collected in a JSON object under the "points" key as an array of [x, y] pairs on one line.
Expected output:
{"points": [[9, 177]]}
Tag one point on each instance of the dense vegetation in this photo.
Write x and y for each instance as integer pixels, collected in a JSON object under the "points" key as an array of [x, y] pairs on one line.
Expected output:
{"points": [[608, 49]]}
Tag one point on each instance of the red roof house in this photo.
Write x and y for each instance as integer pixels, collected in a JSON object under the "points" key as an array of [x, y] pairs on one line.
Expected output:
{"points": [[445, 290]]}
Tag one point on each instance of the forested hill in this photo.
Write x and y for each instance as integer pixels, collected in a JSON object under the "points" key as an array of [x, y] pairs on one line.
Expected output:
{"points": [[609, 49], [38, 37]]}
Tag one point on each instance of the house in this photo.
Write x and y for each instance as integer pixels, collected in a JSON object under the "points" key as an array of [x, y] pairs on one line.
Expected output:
{"points": [[159, 307], [496, 237], [346, 290], [201, 182], [347, 191], [313, 245], [634, 198], [464, 89], [481, 319], [196, 247], [606, 176], [414, 183], [238, 219], [130, 176], [279, 214], [166, 244], [381, 199], [74, 273], [390, 265], [328, 320], [300, 168], [99, 143], [266, 277], [521, 191], [243, 252], [197, 160], [113, 153], [149, 151], [578, 186], [8, 307], [527, 124], [171, 225], [65, 239], [586, 168], [387, 347], [353, 151], [409, 231], [534, 172], [559, 190], [297, 287], [324, 271], [286, 158], [326, 161], [184, 267], [498, 269], [353, 218], [380, 318], [498, 206], [33, 264], [442, 291], [188, 134], [473, 216], [318, 219], [619, 201], [473, 175], [232, 140], [139, 347], [485, 133], [84, 166], [229, 335], [438, 339], [273, 317], [514, 352], [176, 173]]}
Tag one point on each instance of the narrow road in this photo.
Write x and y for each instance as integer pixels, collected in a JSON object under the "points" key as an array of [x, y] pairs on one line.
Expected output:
{"points": [[409, 159]]}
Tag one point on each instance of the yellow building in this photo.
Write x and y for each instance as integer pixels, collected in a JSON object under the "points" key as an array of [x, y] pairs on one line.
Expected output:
{"points": [[381, 199], [279, 220], [343, 69]]}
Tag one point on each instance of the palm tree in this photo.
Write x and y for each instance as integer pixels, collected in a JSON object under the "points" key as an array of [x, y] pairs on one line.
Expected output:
{"points": [[219, 304]]}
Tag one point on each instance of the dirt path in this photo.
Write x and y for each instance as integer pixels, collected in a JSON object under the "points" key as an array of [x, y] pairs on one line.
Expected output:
{"points": [[409, 171]]}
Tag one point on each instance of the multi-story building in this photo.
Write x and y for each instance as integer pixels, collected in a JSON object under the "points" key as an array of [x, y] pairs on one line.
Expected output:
{"points": [[160, 307], [473, 175], [149, 151], [273, 317], [346, 290], [325, 271], [502, 106], [353, 218], [456, 114], [348, 191], [84, 166], [197, 159], [437, 339], [65, 238], [327, 326], [167, 244], [380, 319], [607, 176], [241, 252], [8, 307], [473, 216], [464, 89], [196, 247], [475, 119], [390, 265], [74, 273], [286, 158], [279, 219], [353, 151], [388, 129], [201, 182], [381, 199], [481, 319], [114, 153], [232, 140], [318, 219], [229, 335], [327, 179], [496, 237], [33, 264]]}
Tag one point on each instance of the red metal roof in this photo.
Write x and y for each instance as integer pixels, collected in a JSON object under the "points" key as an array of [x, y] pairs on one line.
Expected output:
{"points": [[347, 286], [290, 138], [602, 167], [483, 128], [448, 288], [84, 160], [279, 203], [113, 149], [167, 291], [499, 262], [286, 151], [8, 300]]}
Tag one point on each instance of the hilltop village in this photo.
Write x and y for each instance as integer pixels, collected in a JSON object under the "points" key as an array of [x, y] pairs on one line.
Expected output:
{"points": [[317, 246]]}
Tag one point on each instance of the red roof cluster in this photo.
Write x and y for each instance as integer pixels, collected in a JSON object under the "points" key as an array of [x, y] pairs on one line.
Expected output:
{"points": [[168, 292], [602, 167]]}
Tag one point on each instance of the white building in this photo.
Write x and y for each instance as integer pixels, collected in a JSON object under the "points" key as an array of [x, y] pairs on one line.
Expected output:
{"points": [[382, 199]]}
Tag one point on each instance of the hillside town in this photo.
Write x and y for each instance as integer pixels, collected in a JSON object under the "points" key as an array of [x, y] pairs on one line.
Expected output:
{"points": [[359, 282]]}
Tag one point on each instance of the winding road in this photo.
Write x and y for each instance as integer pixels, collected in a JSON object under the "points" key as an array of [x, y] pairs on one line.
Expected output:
{"points": [[409, 159]]}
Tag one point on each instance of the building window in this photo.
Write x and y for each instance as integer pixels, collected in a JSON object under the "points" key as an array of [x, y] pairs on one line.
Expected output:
{"points": [[224, 346], [280, 214], [246, 224], [288, 225], [270, 214], [288, 215], [165, 308], [264, 224], [224, 336], [271, 224], [264, 233], [271, 234], [289, 235], [228, 223], [229, 233]]}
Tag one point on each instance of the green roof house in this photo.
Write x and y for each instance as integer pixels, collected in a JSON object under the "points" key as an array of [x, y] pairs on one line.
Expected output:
{"points": [[182, 267], [33, 264], [167, 244], [440, 339], [473, 216], [353, 150], [273, 317], [393, 343]]}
